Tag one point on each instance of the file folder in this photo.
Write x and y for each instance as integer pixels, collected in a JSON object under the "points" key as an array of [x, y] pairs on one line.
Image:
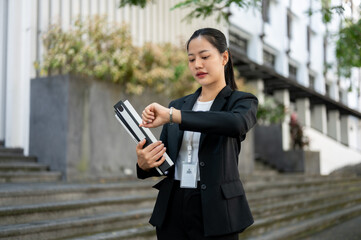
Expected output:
{"points": [[130, 120]]}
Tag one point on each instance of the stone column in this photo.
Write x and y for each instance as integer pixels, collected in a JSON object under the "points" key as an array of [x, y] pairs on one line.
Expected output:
{"points": [[303, 111], [18, 74], [283, 96], [246, 157], [3, 62], [319, 118], [345, 125], [333, 125], [257, 87]]}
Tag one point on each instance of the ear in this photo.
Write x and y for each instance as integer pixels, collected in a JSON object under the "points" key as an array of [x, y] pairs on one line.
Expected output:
{"points": [[225, 58]]}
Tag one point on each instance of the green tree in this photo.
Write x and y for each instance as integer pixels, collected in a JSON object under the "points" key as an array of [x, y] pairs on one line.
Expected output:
{"points": [[202, 8], [348, 48]]}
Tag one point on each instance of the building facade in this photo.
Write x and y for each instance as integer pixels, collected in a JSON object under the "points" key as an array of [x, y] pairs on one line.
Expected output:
{"points": [[283, 38], [293, 51]]}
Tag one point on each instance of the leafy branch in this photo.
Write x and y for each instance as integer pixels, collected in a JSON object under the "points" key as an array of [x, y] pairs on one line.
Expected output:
{"points": [[201, 8]]}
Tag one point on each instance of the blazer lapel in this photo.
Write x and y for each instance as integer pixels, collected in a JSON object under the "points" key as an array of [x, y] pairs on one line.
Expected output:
{"points": [[217, 105]]}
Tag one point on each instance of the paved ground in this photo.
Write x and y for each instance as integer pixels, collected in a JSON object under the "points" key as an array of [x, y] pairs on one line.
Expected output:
{"points": [[350, 230]]}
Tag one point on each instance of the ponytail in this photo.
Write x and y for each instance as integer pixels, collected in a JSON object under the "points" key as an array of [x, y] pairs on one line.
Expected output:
{"points": [[229, 73]]}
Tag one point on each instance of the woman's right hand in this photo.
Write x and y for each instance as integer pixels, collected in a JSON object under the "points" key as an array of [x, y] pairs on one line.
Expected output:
{"points": [[148, 156]]}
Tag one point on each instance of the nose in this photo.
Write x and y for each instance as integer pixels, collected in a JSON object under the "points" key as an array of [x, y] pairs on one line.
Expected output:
{"points": [[198, 63]]}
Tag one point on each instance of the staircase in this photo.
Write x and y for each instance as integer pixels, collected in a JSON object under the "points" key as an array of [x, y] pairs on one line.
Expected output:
{"points": [[16, 167], [284, 207]]}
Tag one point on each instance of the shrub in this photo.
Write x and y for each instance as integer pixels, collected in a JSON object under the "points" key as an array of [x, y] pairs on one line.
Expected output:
{"points": [[98, 49]]}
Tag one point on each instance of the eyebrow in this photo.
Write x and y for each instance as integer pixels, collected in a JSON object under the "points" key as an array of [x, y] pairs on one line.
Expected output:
{"points": [[191, 54]]}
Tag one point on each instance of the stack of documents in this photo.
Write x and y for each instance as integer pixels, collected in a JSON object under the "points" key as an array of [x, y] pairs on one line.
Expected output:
{"points": [[130, 119]]}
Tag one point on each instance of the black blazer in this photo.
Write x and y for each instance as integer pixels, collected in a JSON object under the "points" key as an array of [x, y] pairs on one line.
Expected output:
{"points": [[224, 204]]}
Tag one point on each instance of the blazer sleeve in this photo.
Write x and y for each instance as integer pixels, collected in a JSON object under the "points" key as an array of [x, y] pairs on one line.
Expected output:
{"points": [[141, 174], [234, 122]]}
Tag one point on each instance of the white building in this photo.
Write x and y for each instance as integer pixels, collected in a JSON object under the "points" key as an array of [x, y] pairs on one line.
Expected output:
{"points": [[335, 131], [286, 51]]}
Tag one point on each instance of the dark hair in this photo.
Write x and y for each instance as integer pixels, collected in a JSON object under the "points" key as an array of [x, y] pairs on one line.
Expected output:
{"points": [[218, 40]]}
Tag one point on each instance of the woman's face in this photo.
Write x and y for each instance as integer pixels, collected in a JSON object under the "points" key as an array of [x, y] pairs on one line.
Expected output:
{"points": [[206, 63]]}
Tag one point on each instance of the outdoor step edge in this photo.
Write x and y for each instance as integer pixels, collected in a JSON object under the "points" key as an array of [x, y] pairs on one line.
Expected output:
{"points": [[281, 217], [56, 206], [27, 190], [297, 202], [121, 234], [289, 231], [33, 227]]}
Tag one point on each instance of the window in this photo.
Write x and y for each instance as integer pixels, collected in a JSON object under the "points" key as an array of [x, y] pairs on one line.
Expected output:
{"points": [[341, 96], [308, 39], [265, 10], [325, 43], [239, 42], [311, 80], [289, 24], [292, 71], [269, 59], [327, 86]]}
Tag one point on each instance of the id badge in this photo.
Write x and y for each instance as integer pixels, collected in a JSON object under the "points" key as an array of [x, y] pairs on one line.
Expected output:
{"points": [[189, 176]]}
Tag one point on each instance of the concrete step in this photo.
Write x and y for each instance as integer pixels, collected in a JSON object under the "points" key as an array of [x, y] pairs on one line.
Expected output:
{"points": [[5, 158], [263, 169], [122, 210], [50, 211], [76, 226], [11, 151], [262, 198], [297, 183], [146, 232], [33, 193], [275, 221], [22, 167], [301, 203], [311, 225], [27, 177]]}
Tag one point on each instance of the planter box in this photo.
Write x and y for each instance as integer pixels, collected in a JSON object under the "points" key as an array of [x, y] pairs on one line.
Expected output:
{"points": [[73, 128], [268, 149]]}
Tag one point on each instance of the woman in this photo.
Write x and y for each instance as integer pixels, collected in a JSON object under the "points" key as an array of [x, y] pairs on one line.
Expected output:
{"points": [[202, 197]]}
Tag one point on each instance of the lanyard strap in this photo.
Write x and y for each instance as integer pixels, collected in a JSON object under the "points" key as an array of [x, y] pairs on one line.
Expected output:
{"points": [[190, 147]]}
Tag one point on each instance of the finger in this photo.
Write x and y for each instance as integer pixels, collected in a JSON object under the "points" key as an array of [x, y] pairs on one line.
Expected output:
{"points": [[148, 125], [141, 144], [160, 162], [146, 118], [149, 112], [159, 154], [146, 114], [157, 149], [151, 146]]}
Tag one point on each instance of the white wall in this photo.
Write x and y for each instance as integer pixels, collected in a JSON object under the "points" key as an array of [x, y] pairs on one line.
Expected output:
{"points": [[333, 154]]}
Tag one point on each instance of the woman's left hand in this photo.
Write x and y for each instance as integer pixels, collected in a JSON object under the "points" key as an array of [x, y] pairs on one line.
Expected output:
{"points": [[154, 115]]}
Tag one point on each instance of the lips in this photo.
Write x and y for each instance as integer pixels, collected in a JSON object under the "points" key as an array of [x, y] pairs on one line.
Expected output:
{"points": [[201, 74]]}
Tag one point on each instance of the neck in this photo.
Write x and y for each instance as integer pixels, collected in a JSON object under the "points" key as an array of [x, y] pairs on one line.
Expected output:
{"points": [[209, 93]]}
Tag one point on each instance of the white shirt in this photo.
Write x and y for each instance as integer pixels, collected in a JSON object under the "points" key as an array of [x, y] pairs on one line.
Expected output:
{"points": [[183, 153]]}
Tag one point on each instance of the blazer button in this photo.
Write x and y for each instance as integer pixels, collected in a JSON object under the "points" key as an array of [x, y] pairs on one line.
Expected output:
{"points": [[202, 164], [203, 187]]}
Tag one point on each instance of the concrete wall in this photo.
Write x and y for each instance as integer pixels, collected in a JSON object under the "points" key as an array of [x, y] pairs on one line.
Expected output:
{"points": [[332, 153], [73, 128]]}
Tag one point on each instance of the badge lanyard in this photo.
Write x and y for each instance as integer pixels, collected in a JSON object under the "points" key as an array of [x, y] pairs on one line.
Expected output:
{"points": [[189, 169]]}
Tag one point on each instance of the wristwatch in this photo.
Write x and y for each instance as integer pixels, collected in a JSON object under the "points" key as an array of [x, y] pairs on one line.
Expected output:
{"points": [[171, 116]]}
